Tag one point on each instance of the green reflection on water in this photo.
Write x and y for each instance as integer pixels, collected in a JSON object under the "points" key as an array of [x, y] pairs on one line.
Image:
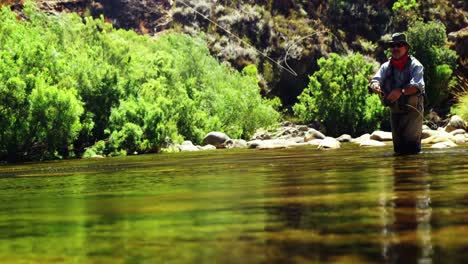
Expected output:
{"points": [[284, 206]]}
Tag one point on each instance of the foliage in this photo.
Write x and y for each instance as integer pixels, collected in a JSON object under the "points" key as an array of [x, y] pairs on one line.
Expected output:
{"points": [[461, 108], [337, 96], [67, 83], [428, 45], [404, 5]]}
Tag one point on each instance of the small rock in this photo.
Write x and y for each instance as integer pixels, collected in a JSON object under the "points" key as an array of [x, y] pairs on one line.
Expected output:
{"points": [[371, 143], [381, 136], [314, 142], [425, 127], [426, 133], [439, 137], [344, 138], [446, 144], [460, 139], [329, 143], [238, 143], [287, 124], [187, 146], [297, 139], [303, 128], [216, 139], [262, 134], [270, 144], [207, 147], [458, 131]]}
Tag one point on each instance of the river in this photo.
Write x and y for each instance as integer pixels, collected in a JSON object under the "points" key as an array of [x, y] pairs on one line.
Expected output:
{"points": [[298, 205]]}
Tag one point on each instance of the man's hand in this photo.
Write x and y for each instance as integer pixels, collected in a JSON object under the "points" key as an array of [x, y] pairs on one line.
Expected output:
{"points": [[374, 87], [394, 95]]}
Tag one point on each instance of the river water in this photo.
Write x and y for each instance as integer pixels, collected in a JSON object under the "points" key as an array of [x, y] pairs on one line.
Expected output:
{"points": [[296, 205]]}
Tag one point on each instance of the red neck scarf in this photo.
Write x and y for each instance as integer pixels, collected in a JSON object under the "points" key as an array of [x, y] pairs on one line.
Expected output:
{"points": [[400, 64]]}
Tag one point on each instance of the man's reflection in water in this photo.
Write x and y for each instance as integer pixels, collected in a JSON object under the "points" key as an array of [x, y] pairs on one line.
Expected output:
{"points": [[407, 213]]}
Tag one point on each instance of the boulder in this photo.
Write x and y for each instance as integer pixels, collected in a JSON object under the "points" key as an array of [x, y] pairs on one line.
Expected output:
{"points": [[329, 143], [312, 134], [371, 143], [187, 146], [361, 138], [455, 123], [381, 136], [344, 138], [216, 139], [446, 144]]}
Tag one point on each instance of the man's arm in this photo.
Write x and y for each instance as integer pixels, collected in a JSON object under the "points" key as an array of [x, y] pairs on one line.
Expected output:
{"points": [[416, 84], [378, 80]]}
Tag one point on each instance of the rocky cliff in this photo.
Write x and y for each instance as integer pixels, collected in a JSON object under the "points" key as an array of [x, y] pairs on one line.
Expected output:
{"points": [[289, 32]]}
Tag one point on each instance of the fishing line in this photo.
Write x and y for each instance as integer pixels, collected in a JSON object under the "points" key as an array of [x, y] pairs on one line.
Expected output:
{"points": [[287, 67]]}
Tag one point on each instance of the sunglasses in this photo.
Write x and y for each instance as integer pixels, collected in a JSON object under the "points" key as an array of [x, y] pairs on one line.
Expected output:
{"points": [[397, 45]]}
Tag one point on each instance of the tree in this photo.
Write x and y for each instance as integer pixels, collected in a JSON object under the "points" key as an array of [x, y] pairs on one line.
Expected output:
{"points": [[337, 96]]}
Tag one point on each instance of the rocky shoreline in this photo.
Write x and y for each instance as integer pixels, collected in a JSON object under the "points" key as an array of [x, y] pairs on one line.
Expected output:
{"points": [[289, 135]]}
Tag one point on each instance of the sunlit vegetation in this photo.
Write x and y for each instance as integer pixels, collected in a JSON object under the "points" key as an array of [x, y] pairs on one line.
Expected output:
{"points": [[67, 83]]}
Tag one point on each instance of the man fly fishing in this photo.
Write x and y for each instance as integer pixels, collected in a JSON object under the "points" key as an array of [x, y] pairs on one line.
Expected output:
{"points": [[400, 83]]}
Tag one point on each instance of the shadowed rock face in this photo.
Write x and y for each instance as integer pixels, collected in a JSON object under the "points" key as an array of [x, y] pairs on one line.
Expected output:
{"points": [[142, 16]]}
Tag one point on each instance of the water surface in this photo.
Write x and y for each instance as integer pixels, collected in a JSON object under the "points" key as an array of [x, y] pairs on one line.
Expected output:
{"points": [[296, 205]]}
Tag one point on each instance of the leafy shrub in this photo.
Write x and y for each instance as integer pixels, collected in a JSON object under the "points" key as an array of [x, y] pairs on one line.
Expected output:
{"points": [[428, 44], [67, 83], [461, 108], [337, 96]]}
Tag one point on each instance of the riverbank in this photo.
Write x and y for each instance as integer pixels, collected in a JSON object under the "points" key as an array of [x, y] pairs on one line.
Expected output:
{"points": [[289, 135]]}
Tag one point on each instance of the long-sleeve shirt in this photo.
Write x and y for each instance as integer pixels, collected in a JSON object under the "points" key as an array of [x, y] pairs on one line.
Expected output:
{"points": [[416, 70]]}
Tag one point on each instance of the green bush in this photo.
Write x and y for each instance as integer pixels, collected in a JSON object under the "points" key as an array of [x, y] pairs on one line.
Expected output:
{"points": [[67, 83], [461, 108], [337, 97], [428, 44]]}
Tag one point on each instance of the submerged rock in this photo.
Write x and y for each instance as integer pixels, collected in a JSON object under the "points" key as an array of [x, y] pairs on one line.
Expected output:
{"points": [[446, 144], [371, 143], [381, 136]]}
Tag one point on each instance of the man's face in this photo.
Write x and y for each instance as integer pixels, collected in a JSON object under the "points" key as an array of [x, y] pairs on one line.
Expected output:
{"points": [[398, 50]]}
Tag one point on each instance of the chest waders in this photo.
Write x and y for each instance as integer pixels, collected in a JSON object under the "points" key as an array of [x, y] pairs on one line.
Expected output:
{"points": [[406, 112]]}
